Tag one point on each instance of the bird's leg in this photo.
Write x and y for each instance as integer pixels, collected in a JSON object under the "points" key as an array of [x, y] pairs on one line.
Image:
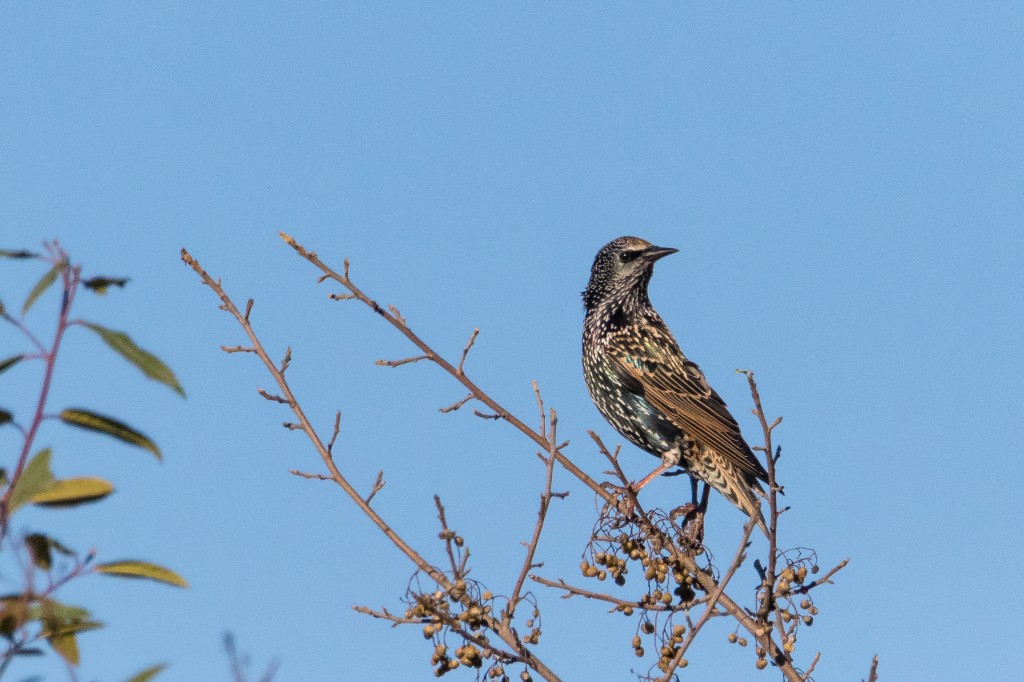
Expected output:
{"points": [[703, 506], [669, 459], [697, 527], [693, 514]]}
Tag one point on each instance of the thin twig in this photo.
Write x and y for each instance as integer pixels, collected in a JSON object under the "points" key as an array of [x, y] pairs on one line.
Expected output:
{"points": [[540, 408], [403, 361], [823, 580], [810, 669], [575, 591], [465, 351], [456, 405], [303, 474], [484, 415], [334, 432], [769, 605], [271, 396], [545, 502], [873, 674], [378, 485], [448, 535]]}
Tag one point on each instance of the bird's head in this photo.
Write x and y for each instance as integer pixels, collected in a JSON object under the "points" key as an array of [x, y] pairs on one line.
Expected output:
{"points": [[622, 270]]}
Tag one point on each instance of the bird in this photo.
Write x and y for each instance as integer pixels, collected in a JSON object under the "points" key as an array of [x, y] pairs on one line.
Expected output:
{"points": [[656, 397]]}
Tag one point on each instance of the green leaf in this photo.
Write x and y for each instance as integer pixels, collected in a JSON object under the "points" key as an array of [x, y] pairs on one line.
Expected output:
{"points": [[61, 623], [10, 362], [41, 286], [101, 284], [149, 364], [57, 615], [141, 569], [39, 546], [36, 478], [97, 422], [72, 628], [66, 647], [69, 492], [148, 674], [20, 253]]}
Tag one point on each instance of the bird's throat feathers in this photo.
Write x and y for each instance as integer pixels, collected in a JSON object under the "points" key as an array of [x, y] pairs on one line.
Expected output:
{"points": [[620, 311]]}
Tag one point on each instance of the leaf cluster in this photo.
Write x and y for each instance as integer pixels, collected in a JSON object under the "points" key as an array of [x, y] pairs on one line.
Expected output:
{"points": [[32, 618]]}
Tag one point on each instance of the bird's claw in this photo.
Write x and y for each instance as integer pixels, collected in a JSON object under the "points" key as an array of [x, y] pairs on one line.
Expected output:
{"points": [[623, 498], [693, 523]]}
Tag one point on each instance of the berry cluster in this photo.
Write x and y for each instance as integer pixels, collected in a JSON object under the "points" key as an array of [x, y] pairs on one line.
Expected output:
{"points": [[670, 589]]}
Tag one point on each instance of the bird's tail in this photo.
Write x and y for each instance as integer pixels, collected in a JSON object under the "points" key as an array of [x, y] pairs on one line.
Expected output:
{"points": [[739, 488]]}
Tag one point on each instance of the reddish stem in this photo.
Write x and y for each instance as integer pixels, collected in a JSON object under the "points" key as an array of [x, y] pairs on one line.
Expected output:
{"points": [[69, 277]]}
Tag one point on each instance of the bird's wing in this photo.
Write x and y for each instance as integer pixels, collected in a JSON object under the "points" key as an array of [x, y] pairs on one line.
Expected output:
{"points": [[679, 389]]}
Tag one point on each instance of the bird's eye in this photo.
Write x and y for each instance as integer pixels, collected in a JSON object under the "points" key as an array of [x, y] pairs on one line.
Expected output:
{"points": [[626, 256]]}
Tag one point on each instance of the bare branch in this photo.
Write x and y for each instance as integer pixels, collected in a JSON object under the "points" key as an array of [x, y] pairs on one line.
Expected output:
{"points": [[271, 396], [484, 415], [465, 351], [456, 405], [478, 393], [823, 580], [303, 474], [504, 632], [378, 485], [403, 361], [810, 670], [545, 502], [238, 349], [334, 433], [384, 614], [873, 674], [540, 408]]}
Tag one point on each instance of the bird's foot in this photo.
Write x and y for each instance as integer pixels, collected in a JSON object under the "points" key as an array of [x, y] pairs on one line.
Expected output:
{"points": [[623, 500], [692, 523]]}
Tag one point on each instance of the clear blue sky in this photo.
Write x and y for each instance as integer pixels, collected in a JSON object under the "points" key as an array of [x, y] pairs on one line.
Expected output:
{"points": [[844, 186]]}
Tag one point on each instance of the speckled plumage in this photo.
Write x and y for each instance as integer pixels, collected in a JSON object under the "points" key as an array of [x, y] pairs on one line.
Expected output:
{"points": [[648, 390]]}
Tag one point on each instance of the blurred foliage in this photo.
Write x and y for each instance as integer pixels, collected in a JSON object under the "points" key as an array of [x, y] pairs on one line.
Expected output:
{"points": [[33, 620]]}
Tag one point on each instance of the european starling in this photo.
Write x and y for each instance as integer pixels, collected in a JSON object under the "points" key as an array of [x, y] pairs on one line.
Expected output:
{"points": [[649, 391]]}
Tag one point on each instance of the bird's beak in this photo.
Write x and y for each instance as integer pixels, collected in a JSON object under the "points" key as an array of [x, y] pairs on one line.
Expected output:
{"points": [[655, 252]]}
